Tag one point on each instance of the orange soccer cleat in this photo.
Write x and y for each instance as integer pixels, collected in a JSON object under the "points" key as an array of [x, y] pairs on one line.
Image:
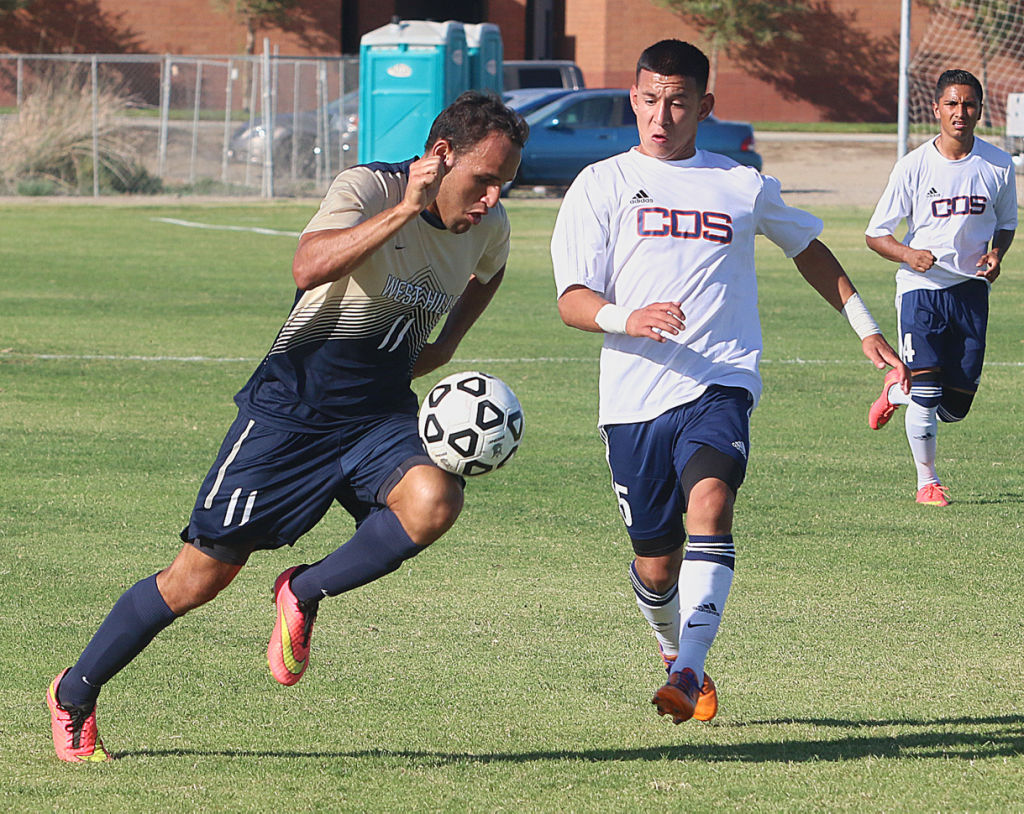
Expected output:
{"points": [[75, 736], [881, 411], [933, 494], [288, 651]]}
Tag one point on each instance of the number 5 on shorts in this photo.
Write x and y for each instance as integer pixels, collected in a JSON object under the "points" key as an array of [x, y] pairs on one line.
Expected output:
{"points": [[620, 495]]}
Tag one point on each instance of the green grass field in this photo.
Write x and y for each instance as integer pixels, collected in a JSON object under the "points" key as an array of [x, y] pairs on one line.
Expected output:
{"points": [[870, 658]]}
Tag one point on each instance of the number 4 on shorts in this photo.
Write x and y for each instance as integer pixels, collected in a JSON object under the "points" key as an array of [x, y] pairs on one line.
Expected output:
{"points": [[907, 348]]}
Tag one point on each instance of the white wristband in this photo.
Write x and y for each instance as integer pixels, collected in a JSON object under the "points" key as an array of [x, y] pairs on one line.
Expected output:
{"points": [[859, 317], [612, 318]]}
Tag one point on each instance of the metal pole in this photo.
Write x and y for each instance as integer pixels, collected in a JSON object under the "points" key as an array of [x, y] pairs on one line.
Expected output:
{"points": [[296, 67], [21, 69], [327, 128], [903, 107], [165, 110], [195, 123], [250, 68], [227, 126], [95, 129], [268, 125]]}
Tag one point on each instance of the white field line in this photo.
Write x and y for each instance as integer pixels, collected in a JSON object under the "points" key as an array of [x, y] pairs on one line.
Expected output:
{"points": [[108, 357], [259, 230]]}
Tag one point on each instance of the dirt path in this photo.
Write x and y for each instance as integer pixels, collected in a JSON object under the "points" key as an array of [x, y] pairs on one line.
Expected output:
{"points": [[847, 171]]}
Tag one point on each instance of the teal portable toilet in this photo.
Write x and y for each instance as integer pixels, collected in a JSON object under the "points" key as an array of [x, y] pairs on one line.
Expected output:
{"points": [[486, 53], [409, 70]]}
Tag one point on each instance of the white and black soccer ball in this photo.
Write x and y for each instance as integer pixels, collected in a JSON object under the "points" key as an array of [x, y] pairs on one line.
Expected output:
{"points": [[471, 423]]}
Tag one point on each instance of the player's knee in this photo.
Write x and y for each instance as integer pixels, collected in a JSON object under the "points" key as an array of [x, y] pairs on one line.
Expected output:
{"points": [[710, 481], [427, 503], [954, 406], [659, 574], [184, 592]]}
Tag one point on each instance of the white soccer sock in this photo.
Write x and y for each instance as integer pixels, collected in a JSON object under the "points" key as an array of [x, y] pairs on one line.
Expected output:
{"points": [[922, 425], [660, 610], [896, 395], [704, 583]]}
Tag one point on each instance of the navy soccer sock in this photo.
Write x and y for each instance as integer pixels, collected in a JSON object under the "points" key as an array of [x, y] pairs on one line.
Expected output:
{"points": [[378, 547], [132, 623]]}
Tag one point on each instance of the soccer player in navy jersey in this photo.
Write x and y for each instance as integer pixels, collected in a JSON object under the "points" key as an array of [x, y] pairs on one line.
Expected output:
{"points": [[329, 415], [655, 248], [958, 194]]}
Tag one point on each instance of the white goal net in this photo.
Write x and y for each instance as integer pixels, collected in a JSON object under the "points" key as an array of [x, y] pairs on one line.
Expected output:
{"points": [[985, 37]]}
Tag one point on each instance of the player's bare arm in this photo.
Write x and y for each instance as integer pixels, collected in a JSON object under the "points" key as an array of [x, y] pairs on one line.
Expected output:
{"points": [[330, 254], [990, 263], [460, 319], [891, 249], [579, 306], [820, 268]]}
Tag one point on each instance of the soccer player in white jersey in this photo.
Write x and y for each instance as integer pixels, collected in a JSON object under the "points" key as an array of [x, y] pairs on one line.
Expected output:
{"points": [[655, 248], [329, 415], [958, 195]]}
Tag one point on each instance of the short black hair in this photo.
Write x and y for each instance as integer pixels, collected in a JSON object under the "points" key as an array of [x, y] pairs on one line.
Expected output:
{"points": [[472, 117], [676, 58], [958, 77]]}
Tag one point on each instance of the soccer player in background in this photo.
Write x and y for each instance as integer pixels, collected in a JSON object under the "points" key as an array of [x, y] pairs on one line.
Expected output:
{"points": [[329, 415], [655, 248], [959, 197]]}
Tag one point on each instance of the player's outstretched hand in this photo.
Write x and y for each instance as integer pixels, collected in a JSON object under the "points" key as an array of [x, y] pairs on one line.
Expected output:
{"points": [[425, 176], [882, 356], [988, 266], [656, 320]]}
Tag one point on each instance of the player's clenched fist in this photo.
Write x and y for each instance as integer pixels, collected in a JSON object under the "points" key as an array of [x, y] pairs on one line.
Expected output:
{"points": [[920, 260], [425, 176], [656, 320]]}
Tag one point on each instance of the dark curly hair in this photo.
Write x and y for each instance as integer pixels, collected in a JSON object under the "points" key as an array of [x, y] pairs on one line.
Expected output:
{"points": [[472, 117]]}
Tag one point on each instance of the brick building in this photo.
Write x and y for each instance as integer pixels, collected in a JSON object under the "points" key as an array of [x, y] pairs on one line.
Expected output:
{"points": [[840, 66]]}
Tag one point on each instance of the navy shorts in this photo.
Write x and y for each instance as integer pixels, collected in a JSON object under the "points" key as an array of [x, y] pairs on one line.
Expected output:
{"points": [[945, 328], [268, 486], [647, 461]]}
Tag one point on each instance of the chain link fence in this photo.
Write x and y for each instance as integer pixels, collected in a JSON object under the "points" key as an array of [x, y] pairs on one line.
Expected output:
{"points": [[264, 125]]}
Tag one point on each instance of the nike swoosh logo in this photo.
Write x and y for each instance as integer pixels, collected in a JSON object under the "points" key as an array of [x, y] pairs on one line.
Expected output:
{"points": [[291, 664], [697, 624]]}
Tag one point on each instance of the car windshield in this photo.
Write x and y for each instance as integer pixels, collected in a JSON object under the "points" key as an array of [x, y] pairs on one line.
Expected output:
{"points": [[547, 111]]}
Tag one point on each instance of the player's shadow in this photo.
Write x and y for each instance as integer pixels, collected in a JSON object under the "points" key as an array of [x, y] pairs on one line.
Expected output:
{"points": [[937, 738]]}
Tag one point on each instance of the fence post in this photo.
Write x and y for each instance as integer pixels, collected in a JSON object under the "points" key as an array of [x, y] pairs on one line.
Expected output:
{"points": [[195, 123], [296, 67], [94, 70], [227, 126], [165, 111], [268, 124], [20, 80]]}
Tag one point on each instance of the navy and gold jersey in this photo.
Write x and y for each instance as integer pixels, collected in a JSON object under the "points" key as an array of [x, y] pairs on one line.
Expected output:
{"points": [[348, 347]]}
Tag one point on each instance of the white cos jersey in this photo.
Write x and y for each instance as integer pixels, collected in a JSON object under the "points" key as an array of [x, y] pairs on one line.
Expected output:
{"points": [[639, 230], [953, 208]]}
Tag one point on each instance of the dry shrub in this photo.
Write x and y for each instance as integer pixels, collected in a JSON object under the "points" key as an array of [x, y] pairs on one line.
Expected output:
{"points": [[50, 138]]}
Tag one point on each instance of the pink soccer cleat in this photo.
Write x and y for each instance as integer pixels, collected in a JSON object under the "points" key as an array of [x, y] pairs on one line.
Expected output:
{"points": [[75, 736], [288, 651]]}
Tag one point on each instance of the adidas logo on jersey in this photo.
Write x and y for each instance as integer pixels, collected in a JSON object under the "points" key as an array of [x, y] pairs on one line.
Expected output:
{"points": [[932, 193], [641, 197]]}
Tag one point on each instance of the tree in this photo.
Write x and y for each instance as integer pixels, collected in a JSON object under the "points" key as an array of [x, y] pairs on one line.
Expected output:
{"points": [[728, 25], [255, 14], [7, 6]]}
